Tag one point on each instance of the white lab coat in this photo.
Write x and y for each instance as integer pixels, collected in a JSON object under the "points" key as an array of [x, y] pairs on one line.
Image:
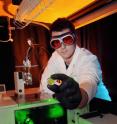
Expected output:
{"points": [[84, 67]]}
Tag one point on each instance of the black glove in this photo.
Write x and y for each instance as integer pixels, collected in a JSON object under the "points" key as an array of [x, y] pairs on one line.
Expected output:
{"points": [[66, 90]]}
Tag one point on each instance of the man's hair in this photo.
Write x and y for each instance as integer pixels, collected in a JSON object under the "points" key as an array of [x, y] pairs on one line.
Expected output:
{"points": [[61, 24]]}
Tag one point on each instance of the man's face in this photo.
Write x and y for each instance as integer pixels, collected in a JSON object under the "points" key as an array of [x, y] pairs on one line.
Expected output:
{"points": [[66, 46]]}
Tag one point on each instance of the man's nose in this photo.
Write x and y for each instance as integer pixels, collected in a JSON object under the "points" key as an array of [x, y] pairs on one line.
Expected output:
{"points": [[63, 45]]}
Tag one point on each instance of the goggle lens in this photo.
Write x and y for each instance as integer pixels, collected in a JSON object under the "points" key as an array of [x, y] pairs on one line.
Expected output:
{"points": [[67, 40], [55, 44]]}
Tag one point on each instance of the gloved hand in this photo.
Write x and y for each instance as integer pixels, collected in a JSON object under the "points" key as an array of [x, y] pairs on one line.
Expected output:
{"points": [[66, 90]]}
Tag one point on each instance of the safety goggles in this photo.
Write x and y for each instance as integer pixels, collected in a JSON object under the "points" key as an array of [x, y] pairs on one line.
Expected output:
{"points": [[66, 39]]}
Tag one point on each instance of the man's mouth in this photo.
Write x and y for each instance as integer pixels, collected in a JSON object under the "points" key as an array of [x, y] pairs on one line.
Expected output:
{"points": [[63, 52]]}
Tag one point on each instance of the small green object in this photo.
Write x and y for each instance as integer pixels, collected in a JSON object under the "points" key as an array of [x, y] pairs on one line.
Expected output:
{"points": [[54, 82], [51, 81]]}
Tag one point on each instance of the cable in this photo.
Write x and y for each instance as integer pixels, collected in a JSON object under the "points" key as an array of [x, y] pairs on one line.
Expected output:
{"points": [[6, 40]]}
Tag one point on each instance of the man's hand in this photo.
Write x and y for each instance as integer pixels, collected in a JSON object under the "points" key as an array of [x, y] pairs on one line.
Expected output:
{"points": [[66, 90]]}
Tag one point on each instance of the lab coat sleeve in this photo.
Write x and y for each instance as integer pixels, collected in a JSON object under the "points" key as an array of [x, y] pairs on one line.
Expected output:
{"points": [[90, 74]]}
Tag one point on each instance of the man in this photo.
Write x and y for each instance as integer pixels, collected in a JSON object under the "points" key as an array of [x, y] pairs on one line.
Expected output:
{"points": [[76, 68]]}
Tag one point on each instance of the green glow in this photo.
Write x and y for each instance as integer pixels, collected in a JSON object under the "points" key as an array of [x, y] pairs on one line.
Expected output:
{"points": [[50, 100], [29, 121], [22, 117], [55, 111]]}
